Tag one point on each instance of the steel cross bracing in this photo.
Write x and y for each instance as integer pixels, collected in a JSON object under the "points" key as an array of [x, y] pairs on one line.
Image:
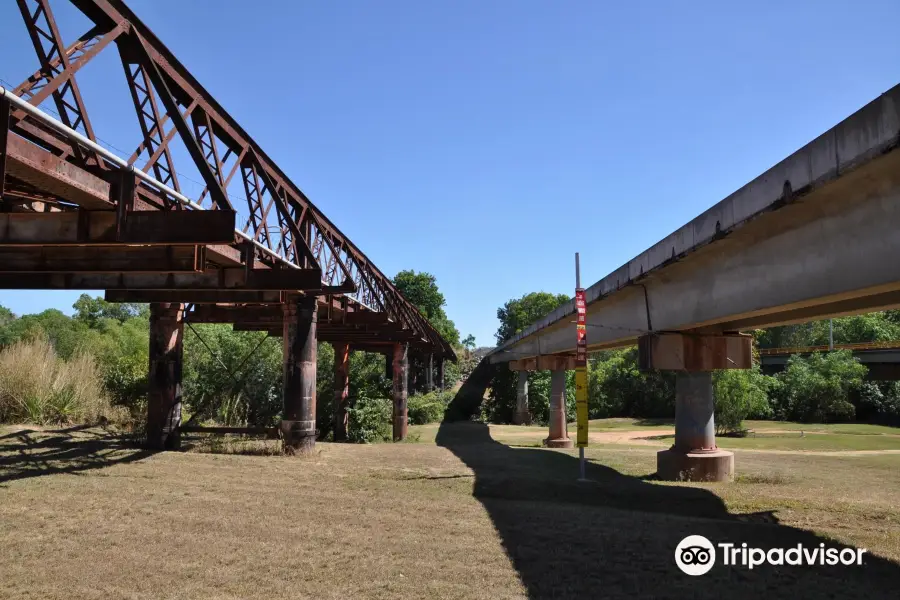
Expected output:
{"points": [[127, 225]]}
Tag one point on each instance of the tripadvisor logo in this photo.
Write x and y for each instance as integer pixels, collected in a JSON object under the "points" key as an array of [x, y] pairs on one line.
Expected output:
{"points": [[696, 555]]}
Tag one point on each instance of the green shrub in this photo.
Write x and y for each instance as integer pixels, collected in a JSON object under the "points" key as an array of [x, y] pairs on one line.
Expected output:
{"points": [[428, 408], [877, 402], [816, 389], [739, 394], [370, 421], [628, 391]]}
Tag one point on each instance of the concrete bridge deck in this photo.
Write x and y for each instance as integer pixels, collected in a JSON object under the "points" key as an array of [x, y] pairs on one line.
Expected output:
{"points": [[812, 237]]}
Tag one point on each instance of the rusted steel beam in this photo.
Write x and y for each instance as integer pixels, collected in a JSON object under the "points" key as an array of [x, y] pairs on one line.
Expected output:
{"points": [[102, 259], [219, 197], [237, 314], [148, 115], [50, 173], [367, 318], [400, 368], [164, 142], [254, 191], [298, 425], [164, 381], [193, 296], [223, 255], [221, 280], [65, 75], [25, 90], [187, 227], [206, 139], [341, 390], [42, 28], [296, 238]]}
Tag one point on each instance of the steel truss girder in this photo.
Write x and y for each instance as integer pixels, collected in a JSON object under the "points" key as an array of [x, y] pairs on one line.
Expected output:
{"points": [[212, 137]]}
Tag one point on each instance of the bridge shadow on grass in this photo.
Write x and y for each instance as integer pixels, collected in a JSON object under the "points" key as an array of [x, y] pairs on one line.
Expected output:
{"points": [[30, 453], [617, 537]]}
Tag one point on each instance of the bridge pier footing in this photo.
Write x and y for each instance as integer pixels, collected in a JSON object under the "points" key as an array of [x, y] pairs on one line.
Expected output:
{"points": [[521, 416], [298, 424], [559, 437], [164, 381], [400, 367], [694, 456]]}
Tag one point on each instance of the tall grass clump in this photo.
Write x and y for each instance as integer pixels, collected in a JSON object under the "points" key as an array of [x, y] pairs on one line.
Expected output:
{"points": [[36, 386]]}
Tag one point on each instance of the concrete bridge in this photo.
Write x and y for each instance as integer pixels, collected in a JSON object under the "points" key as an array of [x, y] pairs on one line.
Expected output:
{"points": [[812, 237], [251, 249], [881, 358]]}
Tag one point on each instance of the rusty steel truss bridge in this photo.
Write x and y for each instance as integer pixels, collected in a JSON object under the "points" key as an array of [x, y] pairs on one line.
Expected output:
{"points": [[74, 215]]}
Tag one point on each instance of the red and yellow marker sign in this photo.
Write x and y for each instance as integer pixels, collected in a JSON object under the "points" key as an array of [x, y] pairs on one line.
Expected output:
{"points": [[581, 378]]}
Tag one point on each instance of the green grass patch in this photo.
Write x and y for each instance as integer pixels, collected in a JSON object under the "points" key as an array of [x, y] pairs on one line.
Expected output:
{"points": [[848, 428], [819, 442]]}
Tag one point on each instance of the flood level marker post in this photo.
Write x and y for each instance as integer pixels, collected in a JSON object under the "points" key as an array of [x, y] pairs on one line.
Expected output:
{"points": [[581, 378]]}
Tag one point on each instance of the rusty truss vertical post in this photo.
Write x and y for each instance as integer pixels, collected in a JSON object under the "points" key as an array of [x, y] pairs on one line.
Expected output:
{"points": [[341, 390], [164, 394], [298, 421], [400, 369]]}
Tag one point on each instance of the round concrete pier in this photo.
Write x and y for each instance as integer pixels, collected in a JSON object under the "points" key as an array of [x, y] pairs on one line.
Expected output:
{"points": [[559, 443], [674, 465]]}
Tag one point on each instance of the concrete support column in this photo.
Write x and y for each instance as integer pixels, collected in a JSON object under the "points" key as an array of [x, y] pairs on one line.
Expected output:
{"points": [[298, 424], [695, 427], [164, 393], [341, 390], [429, 374], [559, 437], [522, 416], [694, 456], [400, 367], [441, 373]]}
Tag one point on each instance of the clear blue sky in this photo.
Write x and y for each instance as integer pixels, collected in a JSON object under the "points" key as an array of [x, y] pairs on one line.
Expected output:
{"points": [[486, 141]]}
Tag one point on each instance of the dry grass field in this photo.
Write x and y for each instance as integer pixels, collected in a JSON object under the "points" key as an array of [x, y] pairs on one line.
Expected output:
{"points": [[457, 515]]}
